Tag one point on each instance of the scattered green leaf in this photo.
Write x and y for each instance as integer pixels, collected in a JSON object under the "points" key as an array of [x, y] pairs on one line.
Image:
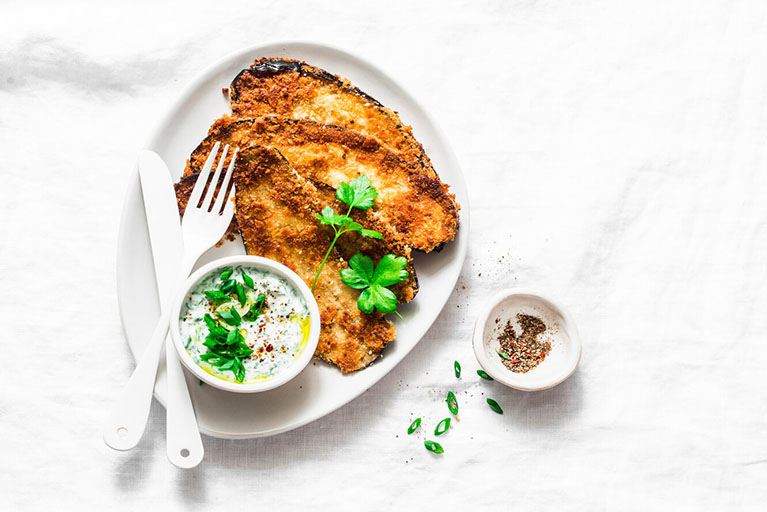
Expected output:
{"points": [[414, 426], [484, 375], [226, 274], [452, 402], [433, 446], [442, 427], [457, 368], [504, 354], [494, 406]]}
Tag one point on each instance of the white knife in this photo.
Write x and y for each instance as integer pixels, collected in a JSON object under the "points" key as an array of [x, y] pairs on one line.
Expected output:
{"points": [[127, 421], [184, 446]]}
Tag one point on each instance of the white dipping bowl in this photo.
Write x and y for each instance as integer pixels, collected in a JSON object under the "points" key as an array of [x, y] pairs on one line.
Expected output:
{"points": [[560, 329], [267, 265]]}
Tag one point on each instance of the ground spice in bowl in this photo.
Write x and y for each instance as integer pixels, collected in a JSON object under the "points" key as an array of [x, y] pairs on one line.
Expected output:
{"points": [[521, 353]]}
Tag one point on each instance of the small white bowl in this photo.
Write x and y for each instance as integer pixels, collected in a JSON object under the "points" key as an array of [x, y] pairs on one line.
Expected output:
{"points": [[565, 343], [285, 374]]}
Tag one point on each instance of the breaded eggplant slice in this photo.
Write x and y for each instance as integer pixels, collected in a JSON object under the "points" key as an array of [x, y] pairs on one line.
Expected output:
{"points": [[295, 89], [348, 245], [275, 211], [411, 208]]}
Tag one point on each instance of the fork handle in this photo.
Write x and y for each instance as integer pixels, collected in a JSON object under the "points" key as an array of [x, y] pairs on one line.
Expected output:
{"points": [[183, 443], [127, 421]]}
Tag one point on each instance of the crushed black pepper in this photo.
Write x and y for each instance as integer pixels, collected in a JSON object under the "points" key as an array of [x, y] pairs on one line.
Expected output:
{"points": [[521, 353]]}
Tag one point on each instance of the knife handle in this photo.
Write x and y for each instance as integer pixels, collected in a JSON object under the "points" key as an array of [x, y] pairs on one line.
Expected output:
{"points": [[127, 421], [183, 442]]}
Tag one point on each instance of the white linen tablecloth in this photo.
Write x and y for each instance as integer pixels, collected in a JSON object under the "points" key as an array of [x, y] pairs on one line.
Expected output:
{"points": [[615, 155]]}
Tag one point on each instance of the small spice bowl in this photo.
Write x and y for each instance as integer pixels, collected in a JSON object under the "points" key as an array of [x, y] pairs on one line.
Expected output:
{"points": [[565, 352]]}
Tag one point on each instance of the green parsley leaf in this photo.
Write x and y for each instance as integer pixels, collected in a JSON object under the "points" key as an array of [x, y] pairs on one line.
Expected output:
{"points": [[247, 280], [378, 297], [331, 218], [414, 426], [216, 296], [442, 427], [357, 193], [370, 233], [494, 406], [350, 225], [433, 446], [390, 270], [360, 273], [373, 281]]}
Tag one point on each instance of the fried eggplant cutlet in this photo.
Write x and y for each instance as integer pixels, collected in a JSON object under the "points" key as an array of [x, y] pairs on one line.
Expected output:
{"points": [[294, 89], [275, 211], [412, 209], [347, 246]]}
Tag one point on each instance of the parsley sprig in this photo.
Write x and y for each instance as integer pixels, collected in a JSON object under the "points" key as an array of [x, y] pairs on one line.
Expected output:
{"points": [[374, 279], [358, 193]]}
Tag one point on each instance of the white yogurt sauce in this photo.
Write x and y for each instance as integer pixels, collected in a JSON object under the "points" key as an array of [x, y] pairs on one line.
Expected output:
{"points": [[277, 336]]}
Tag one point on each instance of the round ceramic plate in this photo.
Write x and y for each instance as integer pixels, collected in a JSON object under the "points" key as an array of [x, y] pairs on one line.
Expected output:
{"points": [[320, 388]]}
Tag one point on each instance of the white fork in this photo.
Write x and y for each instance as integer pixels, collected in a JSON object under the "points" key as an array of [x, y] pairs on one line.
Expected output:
{"points": [[200, 230]]}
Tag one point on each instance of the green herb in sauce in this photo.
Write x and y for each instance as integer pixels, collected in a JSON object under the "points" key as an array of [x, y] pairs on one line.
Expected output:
{"points": [[244, 333]]}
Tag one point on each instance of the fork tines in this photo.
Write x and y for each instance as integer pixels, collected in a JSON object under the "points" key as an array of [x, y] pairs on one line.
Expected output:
{"points": [[210, 183]]}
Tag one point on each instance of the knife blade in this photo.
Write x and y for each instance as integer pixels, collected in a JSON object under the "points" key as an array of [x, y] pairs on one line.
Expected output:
{"points": [[184, 445], [162, 219]]}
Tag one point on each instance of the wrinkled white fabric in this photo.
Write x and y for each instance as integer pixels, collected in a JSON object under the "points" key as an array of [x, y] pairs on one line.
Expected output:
{"points": [[616, 157]]}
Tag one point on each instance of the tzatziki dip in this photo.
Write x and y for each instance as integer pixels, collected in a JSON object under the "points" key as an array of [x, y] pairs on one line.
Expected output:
{"points": [[243, 324]]}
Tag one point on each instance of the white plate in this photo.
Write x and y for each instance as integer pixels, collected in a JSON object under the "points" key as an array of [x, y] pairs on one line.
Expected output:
{"points": [[321, 388]]}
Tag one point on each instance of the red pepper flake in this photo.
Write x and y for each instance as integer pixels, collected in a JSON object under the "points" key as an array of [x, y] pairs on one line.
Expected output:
{"points": [[269, 347]]}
